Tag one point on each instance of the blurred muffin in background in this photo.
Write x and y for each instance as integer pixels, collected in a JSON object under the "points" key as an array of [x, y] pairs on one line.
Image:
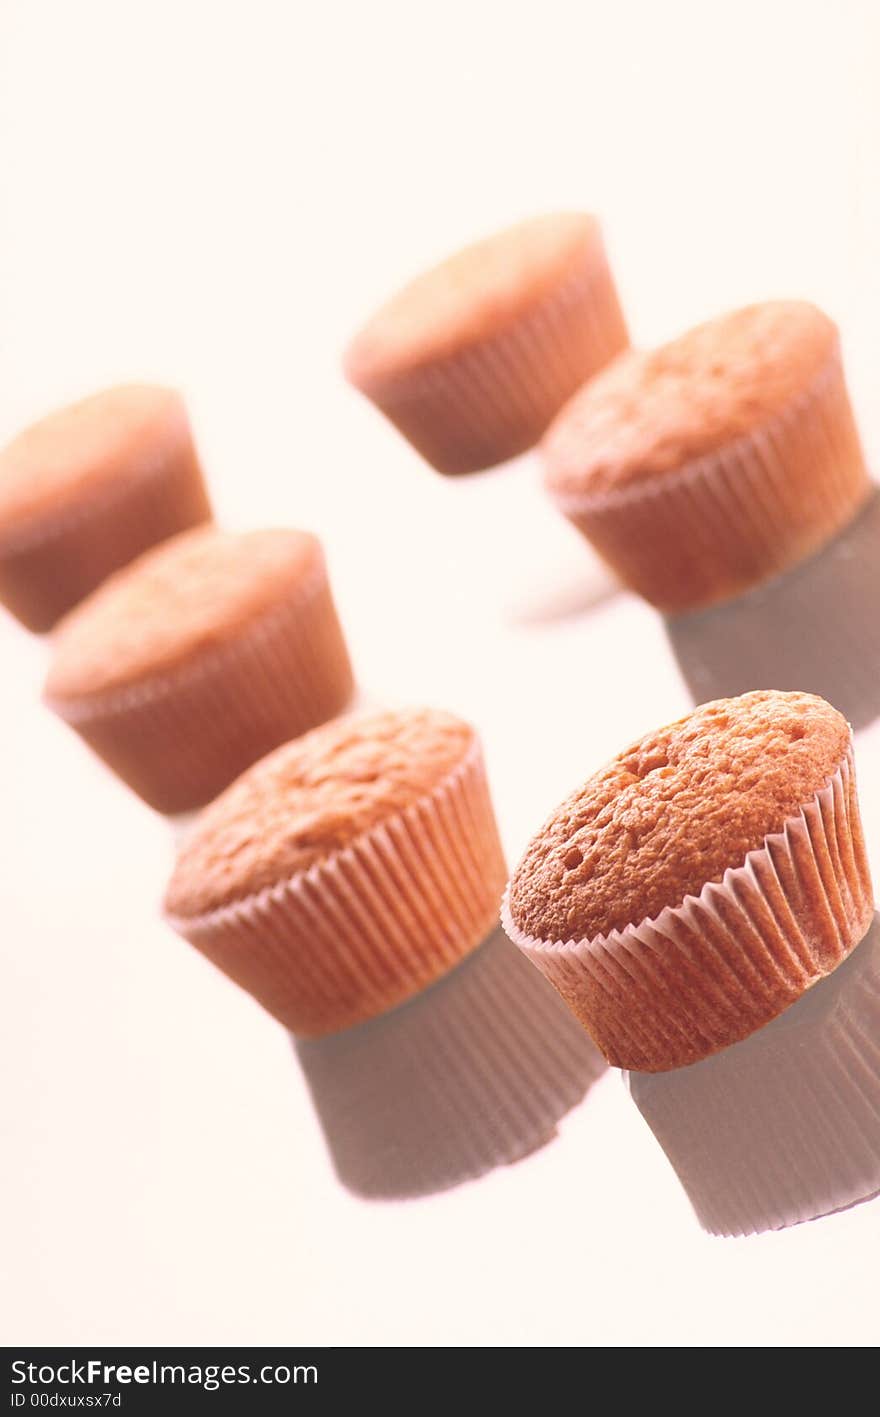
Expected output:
{"points": [[88, 488], [346, 871], [704, 467], [473, 358], [199, 658]]}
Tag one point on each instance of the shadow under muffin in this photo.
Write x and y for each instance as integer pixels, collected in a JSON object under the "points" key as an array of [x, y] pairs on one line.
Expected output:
{"points": [[475, 1072], [785, 1126], [816, 628]]}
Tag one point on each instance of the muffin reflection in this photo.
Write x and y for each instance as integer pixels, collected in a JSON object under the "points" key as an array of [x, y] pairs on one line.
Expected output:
{"points": [[785, 1126], [817, 628], [474, 1073]]}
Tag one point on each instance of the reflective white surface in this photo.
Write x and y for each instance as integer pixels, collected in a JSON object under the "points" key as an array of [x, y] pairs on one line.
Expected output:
{"points": [[212, 196]]}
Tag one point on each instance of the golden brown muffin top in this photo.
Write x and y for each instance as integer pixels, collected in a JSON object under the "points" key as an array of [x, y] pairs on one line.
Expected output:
{"points": [[470, 296], [650, 412], [187, 596], [117, 433], [674, 811], [310, 799]]}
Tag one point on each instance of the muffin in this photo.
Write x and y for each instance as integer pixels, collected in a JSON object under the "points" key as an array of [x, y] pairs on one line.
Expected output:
{"points": [[695, 887], [704, 467], [785, 1126], [86, 490], [203, 655], [346, 871], [473, 359]]}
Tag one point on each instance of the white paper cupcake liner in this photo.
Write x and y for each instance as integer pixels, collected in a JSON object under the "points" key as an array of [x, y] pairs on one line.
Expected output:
{"points": [[50, 564], [373, 923], [475, 1072], [710, 971], [785, 1126], [725, 522], [181, 736], [493, 399]]}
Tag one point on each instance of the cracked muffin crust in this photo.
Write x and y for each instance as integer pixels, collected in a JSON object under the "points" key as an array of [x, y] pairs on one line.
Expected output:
{"points": [[674, 811], [312, 798]]}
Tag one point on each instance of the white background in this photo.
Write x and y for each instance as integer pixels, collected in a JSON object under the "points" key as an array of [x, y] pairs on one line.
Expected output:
{"points": [[212, 195]]}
